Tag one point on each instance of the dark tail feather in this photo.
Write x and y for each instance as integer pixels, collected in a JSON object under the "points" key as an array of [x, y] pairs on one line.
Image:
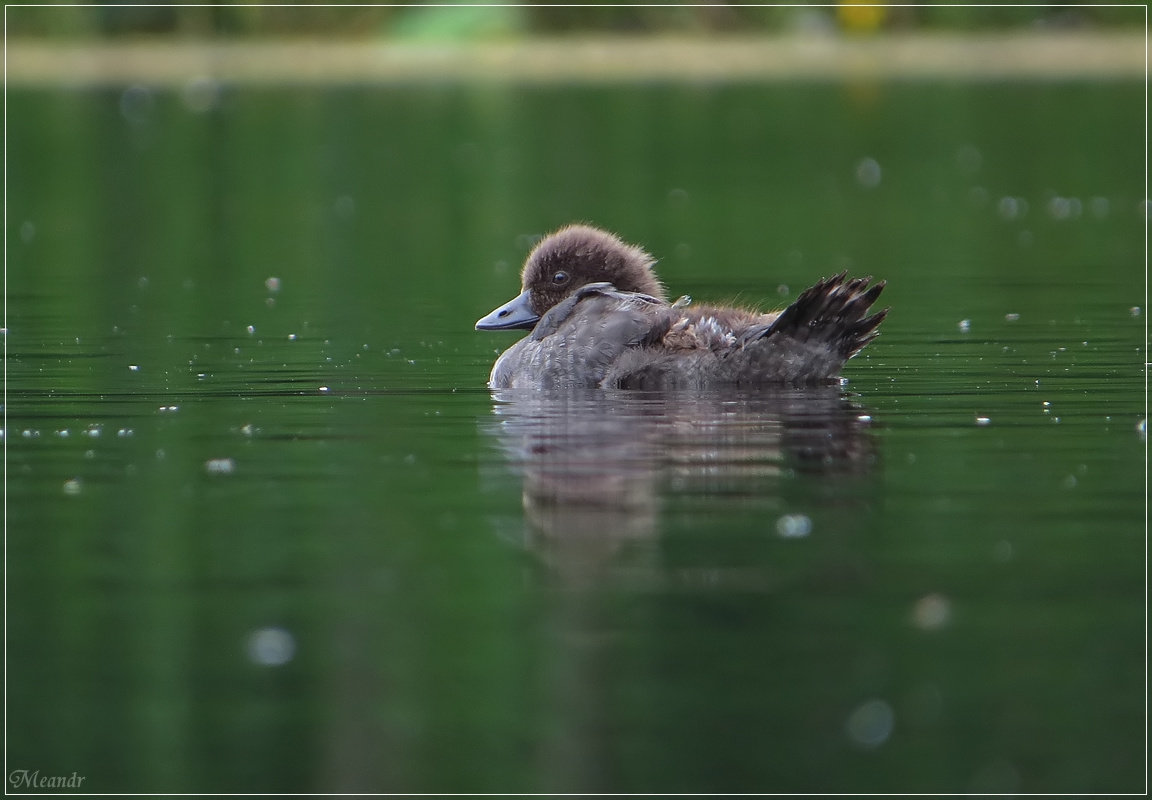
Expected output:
{"points": [[831, 313]]}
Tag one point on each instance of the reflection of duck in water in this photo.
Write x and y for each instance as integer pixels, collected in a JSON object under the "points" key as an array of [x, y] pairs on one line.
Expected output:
{"points": [[597, 467], [599, 318]]}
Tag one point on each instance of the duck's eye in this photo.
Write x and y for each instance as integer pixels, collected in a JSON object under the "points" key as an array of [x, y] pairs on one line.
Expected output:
{"points": [[560, 278]]}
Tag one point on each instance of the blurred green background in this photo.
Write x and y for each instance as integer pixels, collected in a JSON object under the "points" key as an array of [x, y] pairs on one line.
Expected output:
{"points": [[426, 20]]}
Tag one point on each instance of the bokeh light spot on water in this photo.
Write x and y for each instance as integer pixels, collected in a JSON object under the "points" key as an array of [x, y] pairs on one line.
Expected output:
{"points": [[137, 104], [983, 420], [271, 647], [201, 94], [932, 612], [1003, 551], [1061, 208], [72, 486], [1010, 208], [964, 325], [868, 173], [870, 724], [793, 526]]}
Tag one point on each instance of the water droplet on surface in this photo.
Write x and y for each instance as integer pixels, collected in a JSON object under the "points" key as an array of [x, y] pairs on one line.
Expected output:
{"points": [[72, 487], [1061, 208], [272, 284], [220, 466], [793, 526], [932, 612], [271, 647], [868, 173], [1008, 208], [983, 420], [964, 325]]}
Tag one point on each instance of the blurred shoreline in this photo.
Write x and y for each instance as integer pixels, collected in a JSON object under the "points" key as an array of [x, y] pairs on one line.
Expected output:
{"points": [[984, 56]]}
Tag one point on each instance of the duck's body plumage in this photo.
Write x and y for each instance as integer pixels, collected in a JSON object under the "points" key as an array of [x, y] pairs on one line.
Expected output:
{"points": [[620, 331]]}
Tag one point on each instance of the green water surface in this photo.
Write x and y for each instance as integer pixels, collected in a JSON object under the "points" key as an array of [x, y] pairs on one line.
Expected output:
{"points": [[268, 531]]}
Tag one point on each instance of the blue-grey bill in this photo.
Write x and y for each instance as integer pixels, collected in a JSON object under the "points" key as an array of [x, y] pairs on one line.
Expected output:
{"points": [[516, 313]]}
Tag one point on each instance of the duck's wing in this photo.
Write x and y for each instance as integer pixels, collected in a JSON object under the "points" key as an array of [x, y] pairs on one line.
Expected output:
{"points": [[578, 340], [592, 300], [808, 342]]}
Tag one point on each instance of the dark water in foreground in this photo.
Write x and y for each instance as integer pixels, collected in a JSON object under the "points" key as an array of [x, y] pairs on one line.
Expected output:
{"points": [[276, 536]]}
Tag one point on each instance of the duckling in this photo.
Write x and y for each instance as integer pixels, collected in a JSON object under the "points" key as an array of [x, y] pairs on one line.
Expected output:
{"points": [[599, 317]]}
